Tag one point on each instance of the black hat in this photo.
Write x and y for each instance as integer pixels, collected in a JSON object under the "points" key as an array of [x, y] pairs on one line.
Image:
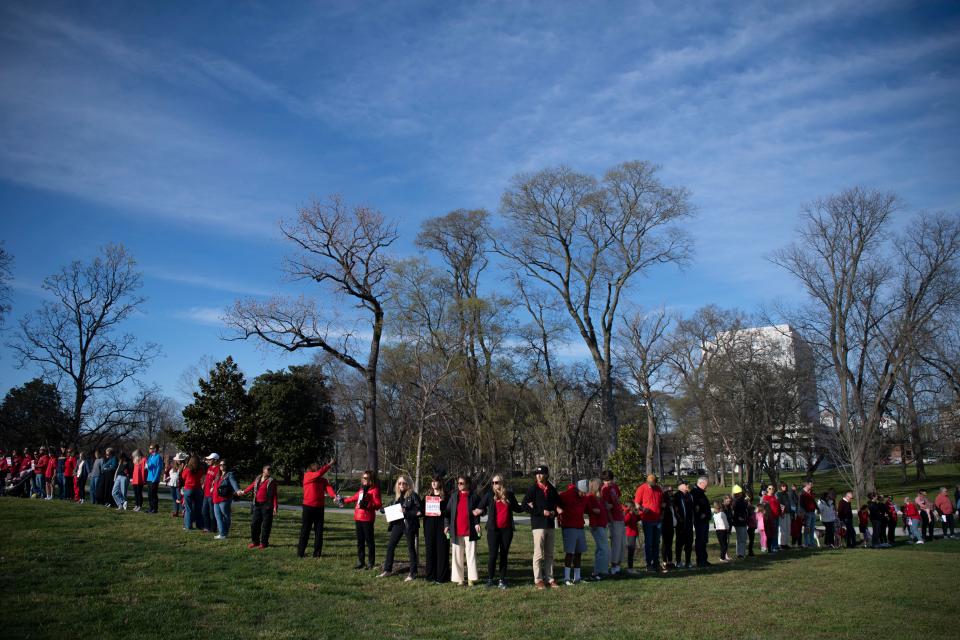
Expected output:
{"points": [[542, 469]]}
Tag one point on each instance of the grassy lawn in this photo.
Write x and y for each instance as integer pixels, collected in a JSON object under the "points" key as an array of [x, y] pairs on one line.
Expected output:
{"points": [[68, 568]]}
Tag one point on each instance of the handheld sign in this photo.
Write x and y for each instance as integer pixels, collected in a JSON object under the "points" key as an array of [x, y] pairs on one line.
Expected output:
{"points": [[393, 512], [433, 505]]}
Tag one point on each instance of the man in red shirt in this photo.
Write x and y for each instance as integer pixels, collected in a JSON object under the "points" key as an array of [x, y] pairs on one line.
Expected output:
{"points": [[314, 488], [265, 504], [213, 469], [69, 470], [808, 503], [944, 505], [40, 472], [648, 500]]}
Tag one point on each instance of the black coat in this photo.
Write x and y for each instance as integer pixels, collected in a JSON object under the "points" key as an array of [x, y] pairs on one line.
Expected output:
{"points": [[741, 512], [489, 506], [450, 518], [411, 509], [701, 505], [683, 509], [541, 502]]}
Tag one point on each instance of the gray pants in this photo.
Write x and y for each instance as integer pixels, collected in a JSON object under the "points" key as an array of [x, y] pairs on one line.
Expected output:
{"points": [[741, 541], [785, 529]]}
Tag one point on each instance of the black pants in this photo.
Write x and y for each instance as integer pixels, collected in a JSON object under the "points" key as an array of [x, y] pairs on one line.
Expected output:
{"points": [[82, 488], [632, 552], [891, 532], [498, 547], [751, 534], [948, 526], [68, 488], [723, 537], [365, 542], [154, 497], [926, 526], [666, 546], [851, 533], [261, 522], [138, 495], [311, 518], [703, 531], [437, 549], [828, 537], [685, 542], [878, 536], [400, 529]]}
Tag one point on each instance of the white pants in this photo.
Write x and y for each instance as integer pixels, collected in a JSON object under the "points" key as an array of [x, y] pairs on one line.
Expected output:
{"points": [[464, 550], [616, 530]]}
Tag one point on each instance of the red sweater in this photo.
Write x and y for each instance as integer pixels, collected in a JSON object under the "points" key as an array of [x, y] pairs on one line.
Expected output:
{"points": [[596, 512], [610, 494], [212, 472], [266, 491], [139, 472], [70, 466], [191, 479], [366, 512], [911, 511], [51, 467], [573, 505], [315, 485], [463, 515], [648, 501], [630, 521], [40, 467], [808, 502], [775, 509]]}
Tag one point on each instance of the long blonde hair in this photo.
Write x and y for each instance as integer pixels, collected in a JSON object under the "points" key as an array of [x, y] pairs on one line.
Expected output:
{"points": [[499, 490], [396, 486], [595, 487]]}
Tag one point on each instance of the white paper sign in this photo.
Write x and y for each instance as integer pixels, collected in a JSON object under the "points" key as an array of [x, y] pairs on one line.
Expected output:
{"points": [[393, 512], [433, 506]]}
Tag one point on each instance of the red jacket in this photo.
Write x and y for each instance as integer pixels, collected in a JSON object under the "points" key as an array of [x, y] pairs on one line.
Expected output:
{"points": [[776, 509], [139, 472], [51, 467], [610, 495], [573, 505], [630, 521], [648, 501], [70, 466], [596, 511], [368, 502], [911, 511], [212, 472], [808, 502], [40, 466], [315, 485], [191, 479], [265, 491]]}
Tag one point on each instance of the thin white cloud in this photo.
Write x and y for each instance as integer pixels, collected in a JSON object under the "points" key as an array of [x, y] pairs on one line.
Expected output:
{"points": [[207, 282], [208, 316]]}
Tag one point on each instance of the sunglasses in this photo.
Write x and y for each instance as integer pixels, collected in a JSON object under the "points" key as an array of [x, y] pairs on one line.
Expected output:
{"points": [[496, 482], [461, 484], [365, 478], [402, 484]]}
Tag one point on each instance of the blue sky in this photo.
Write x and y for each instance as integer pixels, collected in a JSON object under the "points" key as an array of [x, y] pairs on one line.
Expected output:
{"points": [[187, 130]]}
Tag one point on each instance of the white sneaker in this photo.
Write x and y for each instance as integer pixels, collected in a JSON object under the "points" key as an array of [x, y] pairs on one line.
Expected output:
{"points": [[919, 541], [81, 500], [124, 505], [136, 508], [218, 537]]}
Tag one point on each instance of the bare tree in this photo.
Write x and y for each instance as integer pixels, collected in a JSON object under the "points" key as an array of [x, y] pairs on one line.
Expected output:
{"points": [[584, 240], [644, 354], [344, 250], [74, 338], [868, 298], [6, 275]]}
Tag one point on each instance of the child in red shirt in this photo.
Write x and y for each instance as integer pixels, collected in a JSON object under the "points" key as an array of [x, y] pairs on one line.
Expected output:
{"points": [[631, 520]]}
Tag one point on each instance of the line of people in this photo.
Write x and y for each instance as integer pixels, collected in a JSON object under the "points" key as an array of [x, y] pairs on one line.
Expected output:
{"points": [[675, 524]]}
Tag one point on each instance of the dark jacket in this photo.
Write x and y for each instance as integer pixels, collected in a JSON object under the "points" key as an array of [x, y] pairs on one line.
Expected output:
{"points": [[683, 508], [450, 517], [541, 502], [411, 507], [489, 506], [701, 505], [844, 511], [741, 512]]}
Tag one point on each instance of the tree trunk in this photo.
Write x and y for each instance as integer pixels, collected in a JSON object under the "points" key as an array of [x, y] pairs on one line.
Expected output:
{"points": [[609, 410], [651, 435], [370, 421], [416, 474]]}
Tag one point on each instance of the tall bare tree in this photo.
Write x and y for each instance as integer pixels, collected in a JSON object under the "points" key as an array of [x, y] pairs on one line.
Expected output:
{"points": [[75, 337], [6, 275], [343, 249], [585, 240], [870, 294], [644, 354]]}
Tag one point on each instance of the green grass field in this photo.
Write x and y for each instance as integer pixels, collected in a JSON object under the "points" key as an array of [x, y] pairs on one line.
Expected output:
{"points": [[81, 571]]}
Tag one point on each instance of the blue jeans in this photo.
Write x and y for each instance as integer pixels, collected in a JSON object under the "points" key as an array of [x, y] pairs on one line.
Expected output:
{"points": [[651, 543], [809, 529], [192, 500], [914, 526], [94, 484], [601, 556], [222, 511], [61, 488], [120, 486], [38, 486], [175, 495], [209, 518]]}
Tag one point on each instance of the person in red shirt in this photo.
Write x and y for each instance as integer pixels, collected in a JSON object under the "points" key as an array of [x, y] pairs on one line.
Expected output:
{"points": [[462, 524], [649, 500], [40, 461], [911, 517], [69, 475], [573, 502], [213, 470], [314, 487], [50, 474], [945, 507], [225, 487], [610, 496], [631, 522], [770, 526], [499, 506], [367, 502], [265, 504], [599, 519], [191, 482], [138, 479]]}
